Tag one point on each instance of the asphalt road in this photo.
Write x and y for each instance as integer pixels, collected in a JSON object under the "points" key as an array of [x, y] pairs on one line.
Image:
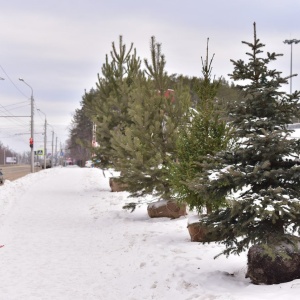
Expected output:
{"points": [[13, 172]]}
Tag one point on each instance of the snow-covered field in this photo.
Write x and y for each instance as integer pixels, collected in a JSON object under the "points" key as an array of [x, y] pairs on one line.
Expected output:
{"points": [[66, 237]]}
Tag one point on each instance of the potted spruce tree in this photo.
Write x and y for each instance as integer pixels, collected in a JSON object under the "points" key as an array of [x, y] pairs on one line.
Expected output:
{"points": [[260, 177], [205, 133]]}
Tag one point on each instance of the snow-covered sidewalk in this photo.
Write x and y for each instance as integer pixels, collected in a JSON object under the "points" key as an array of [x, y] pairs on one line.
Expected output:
{"points": [[66, 237], [52, 244]]}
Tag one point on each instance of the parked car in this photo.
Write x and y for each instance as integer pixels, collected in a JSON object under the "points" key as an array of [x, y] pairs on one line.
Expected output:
{"points": [[89, 164], [1, 177], [48, 164], [37, 164]]}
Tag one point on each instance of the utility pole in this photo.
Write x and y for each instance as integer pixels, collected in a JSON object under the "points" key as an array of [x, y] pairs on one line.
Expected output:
{"points": [[45, 139], [61, 162], [56, 151], [291, 42], [52, 149], [31, 140], [45, 145]]}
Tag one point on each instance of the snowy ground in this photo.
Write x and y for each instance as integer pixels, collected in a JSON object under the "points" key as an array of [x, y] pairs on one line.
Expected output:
{"points": [[66, 237]]}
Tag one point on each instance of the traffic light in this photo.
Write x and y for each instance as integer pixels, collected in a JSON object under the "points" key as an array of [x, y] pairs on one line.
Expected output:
{"points": [[31, 142]]}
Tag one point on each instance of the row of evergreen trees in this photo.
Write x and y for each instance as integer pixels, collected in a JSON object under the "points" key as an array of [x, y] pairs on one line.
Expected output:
{"points": [[142, 115], [176, 137]]}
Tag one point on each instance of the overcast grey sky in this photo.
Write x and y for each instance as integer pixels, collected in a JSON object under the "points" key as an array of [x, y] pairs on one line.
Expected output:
{"points": [[59, 46]]}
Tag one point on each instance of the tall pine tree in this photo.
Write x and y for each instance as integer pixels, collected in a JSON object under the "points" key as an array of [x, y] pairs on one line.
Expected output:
{"points": [[108, 109], [261, 176], [144, 147], [205, 133], [80, 142]]}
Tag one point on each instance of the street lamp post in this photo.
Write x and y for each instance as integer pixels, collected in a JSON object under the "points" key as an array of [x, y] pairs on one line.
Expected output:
{"points": [[45, 139], [52, 145], [56, 151], [32, 127], [4, 147], [291, 42], [52, 149]]}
